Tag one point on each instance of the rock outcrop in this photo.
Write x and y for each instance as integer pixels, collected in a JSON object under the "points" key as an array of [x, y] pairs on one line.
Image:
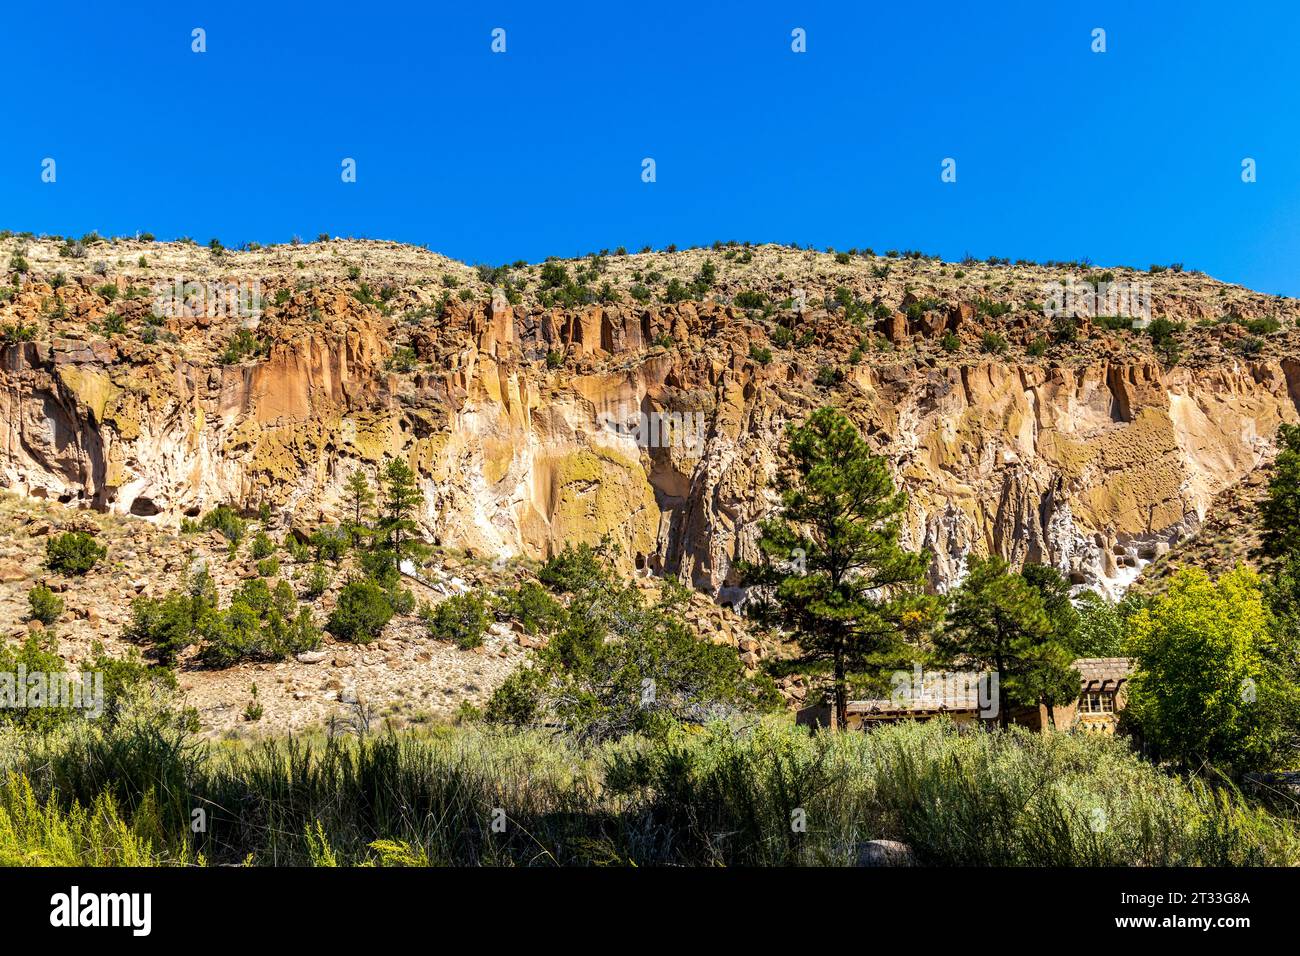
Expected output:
{"points": [[532, 424]]}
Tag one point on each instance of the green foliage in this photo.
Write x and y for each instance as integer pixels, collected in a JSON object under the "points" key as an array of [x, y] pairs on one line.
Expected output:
{"points": [[828, 376], [37, 655], [1000, 621], [1101, 630], [359, 502], [268, 568], [259, 624], [1164, 339], [760, 353], [533, 608], [44, 605], [993, 344], [615, 665], [172, 624], [318, 581], [833, 563], [400, 501], [573, 569], [17, 331], [263, 546], [461, 619], [331, 543], [73, 553], [225, 519], [363, 609], [1280, 509], [243, 345], [1211, 687], [721, 796]]}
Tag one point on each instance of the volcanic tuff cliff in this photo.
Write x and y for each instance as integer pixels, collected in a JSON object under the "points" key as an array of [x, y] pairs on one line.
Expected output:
{"points": [[1084, 451]]}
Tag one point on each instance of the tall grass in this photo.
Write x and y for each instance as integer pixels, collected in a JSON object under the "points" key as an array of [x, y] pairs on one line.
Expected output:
{"points": [[770, 794]]}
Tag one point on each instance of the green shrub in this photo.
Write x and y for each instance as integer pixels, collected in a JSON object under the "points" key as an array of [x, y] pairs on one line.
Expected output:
{"points": [[318, 581], [269, 567], [45, 606], [330, 543], [760, 354], [241, 346], [263, 546], [461, 619], [362, 610], [993, 344], [828, 376], [572, 569], [172, 624], [227, 521], [532, 607], [73, 553]]}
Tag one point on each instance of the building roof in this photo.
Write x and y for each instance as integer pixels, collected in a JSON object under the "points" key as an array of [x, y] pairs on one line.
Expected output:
{"points": [[954, 691], [1103, 673], [937, 693]]}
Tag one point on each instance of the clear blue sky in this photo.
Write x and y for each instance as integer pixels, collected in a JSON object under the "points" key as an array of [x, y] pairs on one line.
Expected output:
{"points": [[1128, 157]]}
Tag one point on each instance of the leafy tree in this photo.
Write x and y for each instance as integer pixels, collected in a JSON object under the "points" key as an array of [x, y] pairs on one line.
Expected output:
{"points": [[359, 501], [572, 569], [36, 654], [1101, 629], [330, 543], [839, 578], [1211, 686], [73, 553], [400, 501], [997, 621], [318, 581], [223, 518]]}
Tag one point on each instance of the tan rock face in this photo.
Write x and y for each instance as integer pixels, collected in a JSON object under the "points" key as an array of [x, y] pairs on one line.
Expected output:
{"points": [[1094, 462]]}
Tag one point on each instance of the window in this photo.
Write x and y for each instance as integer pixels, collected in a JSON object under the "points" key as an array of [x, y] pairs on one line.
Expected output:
{"points": [[1097, 702]]}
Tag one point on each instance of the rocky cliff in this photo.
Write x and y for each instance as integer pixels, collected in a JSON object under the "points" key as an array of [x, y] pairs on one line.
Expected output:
{"points": [[567, 401]]}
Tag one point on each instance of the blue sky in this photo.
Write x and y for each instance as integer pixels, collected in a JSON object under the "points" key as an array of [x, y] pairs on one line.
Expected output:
{"points": [[1128, 157]]}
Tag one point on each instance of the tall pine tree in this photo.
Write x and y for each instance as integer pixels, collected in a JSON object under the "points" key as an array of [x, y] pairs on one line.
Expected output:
{"points": [[839, 577], [359, 500], [400, 502]]}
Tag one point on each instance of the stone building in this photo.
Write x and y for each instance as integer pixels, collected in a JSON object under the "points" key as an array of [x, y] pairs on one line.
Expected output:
{"points": [[966, 698]]}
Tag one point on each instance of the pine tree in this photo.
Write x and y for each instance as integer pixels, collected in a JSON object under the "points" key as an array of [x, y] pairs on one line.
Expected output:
{"points": [[400, 501], [838, 575], [997, 621], [1280, 509], [359, 500]]}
